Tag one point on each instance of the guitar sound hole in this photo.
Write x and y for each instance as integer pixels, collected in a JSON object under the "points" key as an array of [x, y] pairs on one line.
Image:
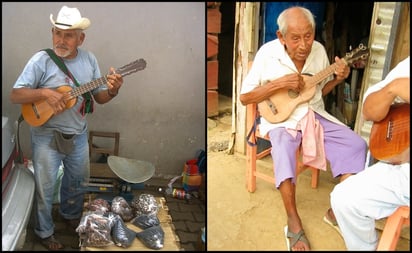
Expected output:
{"points": [[292, 93]]}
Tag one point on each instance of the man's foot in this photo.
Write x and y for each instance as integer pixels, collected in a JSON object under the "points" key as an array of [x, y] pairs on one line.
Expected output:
{"points": [[51, 243], [296, 241], [330, 219]]}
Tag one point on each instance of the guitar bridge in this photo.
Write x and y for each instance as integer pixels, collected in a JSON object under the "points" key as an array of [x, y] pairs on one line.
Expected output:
{"points": [[35, 111], [271, 106]]}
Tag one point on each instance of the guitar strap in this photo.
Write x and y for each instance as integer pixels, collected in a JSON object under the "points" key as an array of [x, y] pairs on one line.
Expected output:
{"points": [[88, 102], [253, 130]]}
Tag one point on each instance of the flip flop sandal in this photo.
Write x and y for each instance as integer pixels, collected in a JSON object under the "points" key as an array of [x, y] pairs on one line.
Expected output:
{"points": [[332, 222], [50, 241], [300, 236]]}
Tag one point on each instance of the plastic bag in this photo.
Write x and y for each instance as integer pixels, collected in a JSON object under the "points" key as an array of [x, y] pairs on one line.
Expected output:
{"points": [[121, 234], [122, 208], [152, 237], [145, 221], [99, 206], [144, 204], [94, 230]]}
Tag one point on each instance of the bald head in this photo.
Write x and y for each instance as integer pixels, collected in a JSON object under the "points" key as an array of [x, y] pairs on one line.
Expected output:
{"points": [[294, 16]]}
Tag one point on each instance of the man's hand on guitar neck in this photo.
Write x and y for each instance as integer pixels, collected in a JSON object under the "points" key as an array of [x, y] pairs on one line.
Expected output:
{"points": [[114, 82], [342, 70], [341, 73]]}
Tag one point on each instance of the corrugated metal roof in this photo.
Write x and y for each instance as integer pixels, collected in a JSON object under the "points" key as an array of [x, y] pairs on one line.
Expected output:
{"points": [[384, 23]]}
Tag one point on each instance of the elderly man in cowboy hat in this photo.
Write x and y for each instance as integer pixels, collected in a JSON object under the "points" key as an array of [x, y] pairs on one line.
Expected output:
{"points": [[61, 141]]}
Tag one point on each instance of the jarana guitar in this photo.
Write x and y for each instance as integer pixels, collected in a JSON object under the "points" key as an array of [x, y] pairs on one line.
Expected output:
{"points": [[389, 138], [38, 113], [278, 107]]}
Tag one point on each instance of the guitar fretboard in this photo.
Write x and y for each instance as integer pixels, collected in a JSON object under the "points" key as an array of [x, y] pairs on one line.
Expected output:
{"points": [[313, 80], [123, 71], [88, 86]]}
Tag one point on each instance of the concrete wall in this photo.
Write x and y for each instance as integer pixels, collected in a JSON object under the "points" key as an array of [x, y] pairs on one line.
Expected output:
{"points": [[160, 111]]}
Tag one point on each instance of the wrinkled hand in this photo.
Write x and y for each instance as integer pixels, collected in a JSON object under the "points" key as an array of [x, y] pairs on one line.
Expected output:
{"points": [[57, 101], [293, 81], [114, 81], [342, 70]]}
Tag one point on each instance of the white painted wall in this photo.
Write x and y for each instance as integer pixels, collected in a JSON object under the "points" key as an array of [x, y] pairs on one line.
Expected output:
{"points": [[160, 111]]}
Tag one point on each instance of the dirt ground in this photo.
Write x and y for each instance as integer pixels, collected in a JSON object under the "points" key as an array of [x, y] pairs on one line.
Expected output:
{"points": [[239, 220]]}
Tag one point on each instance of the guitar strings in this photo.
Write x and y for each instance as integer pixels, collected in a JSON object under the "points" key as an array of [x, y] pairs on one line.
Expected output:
{"points": [[89, 86], [125, 70], [314, 79]]}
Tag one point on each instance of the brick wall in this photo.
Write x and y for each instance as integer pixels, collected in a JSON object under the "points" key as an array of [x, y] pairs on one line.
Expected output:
{"points": [[213, 30]]}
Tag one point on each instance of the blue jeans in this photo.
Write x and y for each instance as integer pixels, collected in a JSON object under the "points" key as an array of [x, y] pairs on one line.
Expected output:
{"points": [[46, 163]]}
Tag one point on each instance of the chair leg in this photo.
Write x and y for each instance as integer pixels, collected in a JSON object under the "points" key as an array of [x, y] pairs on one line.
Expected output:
{"points": [[392, 230], [251, 168], [315, 177]]}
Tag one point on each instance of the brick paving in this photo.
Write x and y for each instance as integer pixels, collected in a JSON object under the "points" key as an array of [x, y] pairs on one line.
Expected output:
{"points": [[188, 218]]}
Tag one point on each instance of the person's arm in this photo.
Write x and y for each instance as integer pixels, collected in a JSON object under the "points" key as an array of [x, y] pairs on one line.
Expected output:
{"points": [[376, 106], [114, 82], [27, 95], [341, 73], [329, 86], [260, 93]]}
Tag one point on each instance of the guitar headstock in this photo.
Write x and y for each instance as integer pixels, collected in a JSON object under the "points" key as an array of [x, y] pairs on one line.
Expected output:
{"points": [[360, 53], [132, 67]]}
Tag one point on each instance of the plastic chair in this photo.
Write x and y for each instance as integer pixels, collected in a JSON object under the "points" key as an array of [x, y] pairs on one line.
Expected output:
{"points": [[252, 155], [392, 230]]}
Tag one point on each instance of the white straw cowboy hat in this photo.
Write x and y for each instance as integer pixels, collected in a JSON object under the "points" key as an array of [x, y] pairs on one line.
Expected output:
{"points": [[70, 18]]}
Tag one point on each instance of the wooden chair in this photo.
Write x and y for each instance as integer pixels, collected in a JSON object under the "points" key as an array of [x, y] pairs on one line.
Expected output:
{"points": [[392, 230], [252, 155], [101, 169]]}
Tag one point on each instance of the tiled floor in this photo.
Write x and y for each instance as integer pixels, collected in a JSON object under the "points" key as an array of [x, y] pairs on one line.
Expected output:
{"points": [[188, 217]]}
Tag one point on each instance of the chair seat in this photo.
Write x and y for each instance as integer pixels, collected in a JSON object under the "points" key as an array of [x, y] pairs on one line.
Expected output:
{"points": [[252, 155]]}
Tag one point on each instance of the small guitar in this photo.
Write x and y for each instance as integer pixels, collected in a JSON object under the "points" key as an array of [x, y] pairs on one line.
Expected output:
{"points": [[38, 113], [389, 138], [281, 104]]}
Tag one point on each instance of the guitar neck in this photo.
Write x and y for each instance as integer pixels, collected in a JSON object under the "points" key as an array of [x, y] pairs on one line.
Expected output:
{"points": [[281, 104], [361, 52], [78, 91], [39, 112], [322, 75], [123, 71]]}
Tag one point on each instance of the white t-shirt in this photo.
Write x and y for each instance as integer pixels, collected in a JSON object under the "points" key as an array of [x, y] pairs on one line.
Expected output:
{"points": [[42, 72], [402, 69], [272, 62]]}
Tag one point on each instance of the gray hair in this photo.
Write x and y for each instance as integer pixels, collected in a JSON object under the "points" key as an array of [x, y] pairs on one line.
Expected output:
{"points": [[78, 31], [283, 17]]}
